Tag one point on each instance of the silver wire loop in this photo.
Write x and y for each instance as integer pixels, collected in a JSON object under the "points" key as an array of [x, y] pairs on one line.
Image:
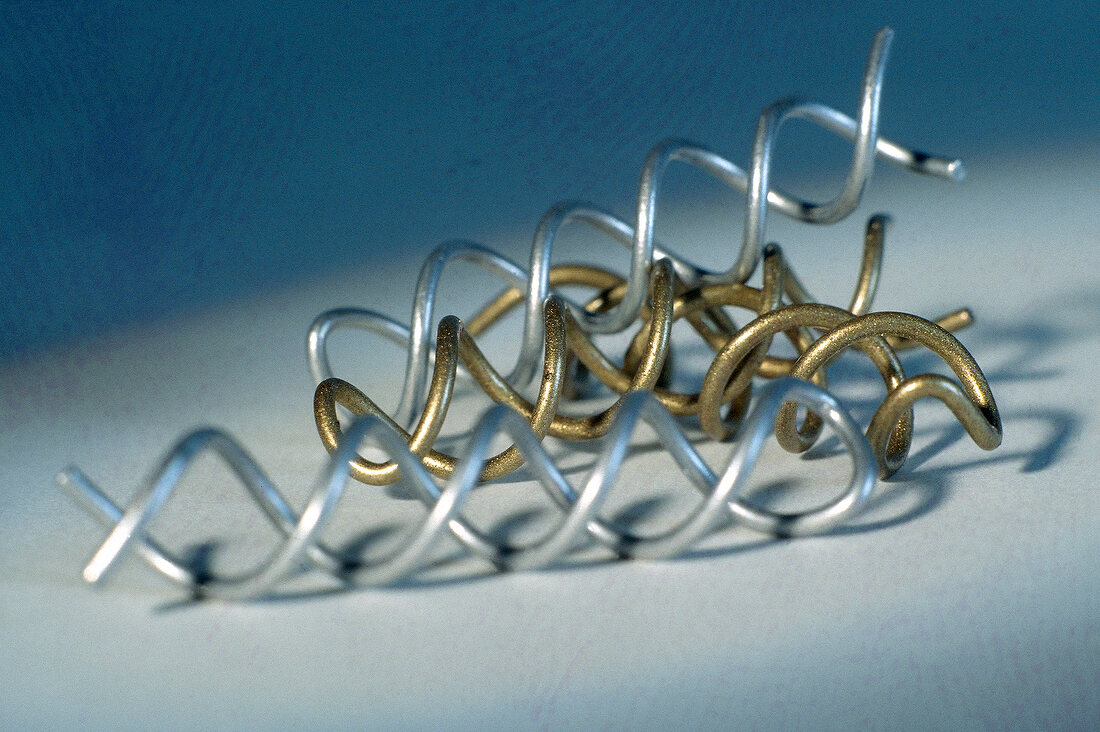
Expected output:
{"points": [[862, 132], [579, 520]]}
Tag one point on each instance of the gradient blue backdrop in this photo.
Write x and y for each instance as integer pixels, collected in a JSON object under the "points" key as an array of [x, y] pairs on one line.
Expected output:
{"points": [[162, 158]]}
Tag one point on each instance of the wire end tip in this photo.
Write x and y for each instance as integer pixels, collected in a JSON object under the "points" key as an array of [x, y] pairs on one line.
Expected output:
{"points": [[92, 575]]}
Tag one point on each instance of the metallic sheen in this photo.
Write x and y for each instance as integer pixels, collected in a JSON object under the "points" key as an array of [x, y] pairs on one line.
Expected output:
{"points": [[578, 522]]}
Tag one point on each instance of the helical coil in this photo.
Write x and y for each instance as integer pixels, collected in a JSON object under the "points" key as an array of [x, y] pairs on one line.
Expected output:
{"points": [[741, 354], [301, 545], [536, 283], [659, 289]]}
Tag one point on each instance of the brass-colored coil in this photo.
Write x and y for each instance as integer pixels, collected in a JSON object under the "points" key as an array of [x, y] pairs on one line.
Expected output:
{"points": [[891, 430], [455, 343], [741, 354]]}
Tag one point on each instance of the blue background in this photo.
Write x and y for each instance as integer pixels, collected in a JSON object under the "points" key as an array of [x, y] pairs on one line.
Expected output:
{"points": [[158, 159]]}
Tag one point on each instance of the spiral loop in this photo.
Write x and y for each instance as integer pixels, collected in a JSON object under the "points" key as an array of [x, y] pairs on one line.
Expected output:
{"points": [[639, 237], [579, 520], [721, 403], [891, 428], [660, 288], [454, 343]]}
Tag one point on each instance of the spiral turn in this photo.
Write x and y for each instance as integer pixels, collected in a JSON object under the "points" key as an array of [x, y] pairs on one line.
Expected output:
{"points": [[535, 282], [741, 354], [579, 520], [558, 351]]}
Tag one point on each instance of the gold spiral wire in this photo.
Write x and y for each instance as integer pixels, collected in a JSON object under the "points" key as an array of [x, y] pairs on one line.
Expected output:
{"points": [[455, 343], [819, 333]]}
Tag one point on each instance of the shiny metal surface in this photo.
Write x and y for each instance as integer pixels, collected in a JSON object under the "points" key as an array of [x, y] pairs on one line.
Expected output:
{"points": [[579, 519], [657, 292], [818, 332], [638, 237]]}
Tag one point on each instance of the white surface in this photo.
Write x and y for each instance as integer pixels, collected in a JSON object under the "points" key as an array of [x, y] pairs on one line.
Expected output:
{"points": [[968, 595], [167, 158]]}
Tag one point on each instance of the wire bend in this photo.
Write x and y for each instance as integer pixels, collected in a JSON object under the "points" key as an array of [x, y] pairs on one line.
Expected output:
{"points": [[639, 238], [578, 521], [891, 427], [455, 343], [559, 330], [722, 401], [867, 144], [717, 328]]}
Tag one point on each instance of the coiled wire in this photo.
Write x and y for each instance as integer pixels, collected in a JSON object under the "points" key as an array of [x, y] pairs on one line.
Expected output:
{"points": [[741, 354], [660, 288], [535, 281], [579, 521]]}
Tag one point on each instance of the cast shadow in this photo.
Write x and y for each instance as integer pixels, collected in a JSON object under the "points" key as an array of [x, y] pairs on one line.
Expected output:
{"points": [[1023, 352]]}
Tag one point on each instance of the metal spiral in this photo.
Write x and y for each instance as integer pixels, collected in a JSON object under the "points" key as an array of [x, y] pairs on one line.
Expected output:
{"points": [[741, 354], [659, 289], [891, 428], [535, 281], [301, 545]]}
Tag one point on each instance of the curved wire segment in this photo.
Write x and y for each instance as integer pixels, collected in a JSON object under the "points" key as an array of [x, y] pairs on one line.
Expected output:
{"points": [[579, 520], [891, 429], [558, 349], [862, 131], [720, 404], [455, 343]]}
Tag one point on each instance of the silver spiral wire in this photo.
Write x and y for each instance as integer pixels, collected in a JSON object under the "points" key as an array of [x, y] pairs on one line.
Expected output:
{"points": [[579, 520], [755, 184]]}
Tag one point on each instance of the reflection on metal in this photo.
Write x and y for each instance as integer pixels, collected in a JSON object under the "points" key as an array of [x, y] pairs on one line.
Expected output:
{"points": [[558, 331], [578, 522], [741, 354], [761, 197], [558, 352]]}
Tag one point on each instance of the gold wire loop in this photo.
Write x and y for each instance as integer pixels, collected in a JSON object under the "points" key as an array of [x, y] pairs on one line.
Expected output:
{"points": [[643, 379], [740, 347], [724, 397], [971, 401], [453, 343]]}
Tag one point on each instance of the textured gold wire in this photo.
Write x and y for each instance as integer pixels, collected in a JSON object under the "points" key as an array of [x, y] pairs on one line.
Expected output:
{"points": [[891, 429], [455, 343], [724, 396]]}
